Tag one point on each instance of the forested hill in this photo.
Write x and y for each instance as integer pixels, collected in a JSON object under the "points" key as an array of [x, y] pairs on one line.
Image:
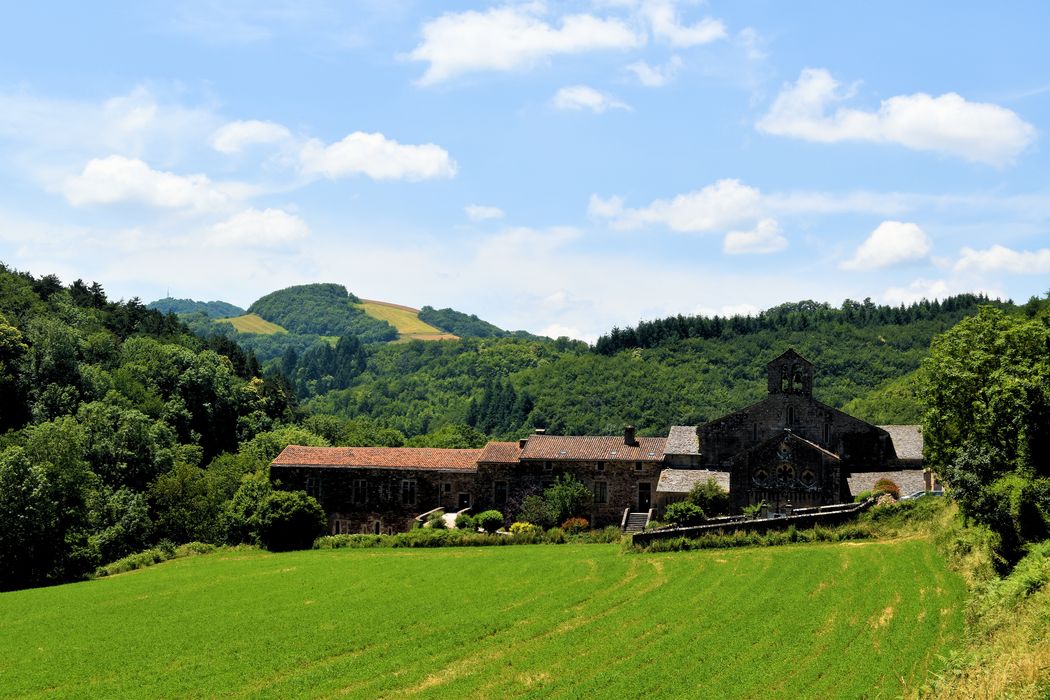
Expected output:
{"points": [[466, 325], [211, 309], [321, 309]]}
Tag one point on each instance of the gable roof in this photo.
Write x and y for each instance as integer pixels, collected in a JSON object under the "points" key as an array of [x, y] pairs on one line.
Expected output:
{"points": [[500, 452], [602, 448], [683, 480], [382, 457], [909, 480], [907, 441], [682, 440], [791, 354], [788, 435]]}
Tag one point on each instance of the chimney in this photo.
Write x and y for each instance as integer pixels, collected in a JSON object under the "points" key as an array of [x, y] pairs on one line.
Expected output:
{"points": [[628, 436], [540, 431]]}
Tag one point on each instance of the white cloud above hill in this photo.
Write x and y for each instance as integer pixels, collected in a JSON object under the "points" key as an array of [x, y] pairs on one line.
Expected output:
{"points": [[891, 243], [377, 157]]}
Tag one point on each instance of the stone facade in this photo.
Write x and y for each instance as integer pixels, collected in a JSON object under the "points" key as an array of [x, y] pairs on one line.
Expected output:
{"points": [[787, 448]]}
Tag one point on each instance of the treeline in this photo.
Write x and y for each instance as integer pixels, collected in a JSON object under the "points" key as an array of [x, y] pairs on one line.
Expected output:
{"points": [[211, 309], [796, 316], [321, 309], [461, 324]]}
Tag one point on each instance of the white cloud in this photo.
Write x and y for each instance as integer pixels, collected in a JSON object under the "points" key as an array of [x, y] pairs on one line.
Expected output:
{"points": [[480, 212], [716, 207], [117, 179], [891, 243], [656, 76], [917, 291], [235, 136], [1002, 259], [976, 131], [765, 238], [727, 310], [377, 157], [511, 38], [259, 228], [666, 25], [558, 330], [578, 97]]}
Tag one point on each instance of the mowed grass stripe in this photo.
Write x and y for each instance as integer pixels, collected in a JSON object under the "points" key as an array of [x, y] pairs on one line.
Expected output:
{"points": [[528, 621]]}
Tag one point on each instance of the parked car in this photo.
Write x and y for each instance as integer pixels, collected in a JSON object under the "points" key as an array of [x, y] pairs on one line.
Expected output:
{"points": [[921, 494]]}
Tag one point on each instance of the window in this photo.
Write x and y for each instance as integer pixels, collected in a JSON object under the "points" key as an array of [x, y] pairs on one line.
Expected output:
{"points": [[337, 527], [601, 492], [600, 468], [827, 433], [408, 492], [548, 466], [360, 491], [313, 486], [447, 486], [638, 466], [791, 415], [499, 493]]}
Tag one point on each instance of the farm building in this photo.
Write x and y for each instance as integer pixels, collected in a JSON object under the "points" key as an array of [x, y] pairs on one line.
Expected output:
{"points": [[788, 449]]}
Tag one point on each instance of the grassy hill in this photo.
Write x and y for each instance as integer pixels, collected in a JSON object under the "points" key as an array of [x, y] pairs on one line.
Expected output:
{"points": [[405, 319], [252, 323], [843, 620]]}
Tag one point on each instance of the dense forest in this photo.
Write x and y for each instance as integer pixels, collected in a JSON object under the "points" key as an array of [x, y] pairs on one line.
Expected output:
{"points": [[211, 309], [321, 309], [466, 325]]}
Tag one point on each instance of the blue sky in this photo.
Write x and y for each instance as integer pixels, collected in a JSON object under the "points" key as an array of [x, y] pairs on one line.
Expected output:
{"points": [[558, 167]]}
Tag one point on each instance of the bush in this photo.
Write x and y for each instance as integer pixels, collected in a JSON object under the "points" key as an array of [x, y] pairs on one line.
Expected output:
{"points": [[710, 497], [534, 509], [886, 486], [575, 526], [567, 498], [290, 520], [862, 496], [465, 522], [683, 513], [489, 520], [436, 521], [556, 535], [520, 528]]}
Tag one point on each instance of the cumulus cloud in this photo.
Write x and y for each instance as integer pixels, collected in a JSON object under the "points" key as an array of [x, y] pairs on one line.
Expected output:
{"points": [[717, 207], [917, 291], [480, 212], [765, 238], [118, 179], [511, 38], [977, 131], [656, 76], [377, 157], [258, 228], [580, 97], [1002, 259], [235, 136], [891, 243], [666, 25]]}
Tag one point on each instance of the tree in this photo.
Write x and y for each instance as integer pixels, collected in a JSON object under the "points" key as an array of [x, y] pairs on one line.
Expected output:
{"points": [[290, 520], [566, 498], [711, 498], [683, 513], [28, 521]]}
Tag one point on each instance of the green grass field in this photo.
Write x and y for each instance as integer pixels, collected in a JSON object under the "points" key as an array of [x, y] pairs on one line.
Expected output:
{"points": [[813, 621], [253, 323], [405, 319]]}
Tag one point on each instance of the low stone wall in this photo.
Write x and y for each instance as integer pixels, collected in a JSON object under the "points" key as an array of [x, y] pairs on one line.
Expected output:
{"points": [[825, 517]]}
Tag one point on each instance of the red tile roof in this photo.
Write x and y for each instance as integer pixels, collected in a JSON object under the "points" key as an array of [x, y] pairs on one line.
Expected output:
{"points": [[387, 457], [605, 448], [503, 452]]}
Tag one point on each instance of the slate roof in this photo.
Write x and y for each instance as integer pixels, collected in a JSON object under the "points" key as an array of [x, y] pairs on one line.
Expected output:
{"points": [[910, 481], [600, 448], [500, 452], [682, 440], [383, 457], [907, 441], [683, 480]]}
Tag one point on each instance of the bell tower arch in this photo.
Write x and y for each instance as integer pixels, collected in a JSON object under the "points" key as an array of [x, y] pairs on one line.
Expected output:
{"points": [[790, 373]]}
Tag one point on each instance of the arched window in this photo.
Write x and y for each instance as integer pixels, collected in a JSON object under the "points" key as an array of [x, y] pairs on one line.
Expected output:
{"points": [[785, 473], [808, 477], [761, 476]]}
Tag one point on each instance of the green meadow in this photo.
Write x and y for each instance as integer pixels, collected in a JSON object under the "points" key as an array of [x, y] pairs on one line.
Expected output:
{"points": [[867, 619]]}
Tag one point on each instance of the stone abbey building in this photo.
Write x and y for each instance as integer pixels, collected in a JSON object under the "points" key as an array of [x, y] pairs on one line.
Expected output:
{"points": [[788, 448]]}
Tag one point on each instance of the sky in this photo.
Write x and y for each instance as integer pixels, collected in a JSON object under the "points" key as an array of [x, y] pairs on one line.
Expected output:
{"points": [[561, 168]]}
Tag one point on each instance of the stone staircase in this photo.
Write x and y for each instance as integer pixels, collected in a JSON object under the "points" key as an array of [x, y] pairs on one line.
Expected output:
{"points": [[636, 522]]}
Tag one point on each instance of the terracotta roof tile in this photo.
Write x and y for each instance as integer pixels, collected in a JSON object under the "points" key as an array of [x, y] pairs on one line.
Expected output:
{"points": [[503, 452], [605, 448], [386, 457]]}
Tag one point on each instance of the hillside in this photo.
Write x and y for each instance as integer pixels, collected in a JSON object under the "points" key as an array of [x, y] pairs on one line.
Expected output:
{"points": [[405, 319], [842, 620], [212, 309], [321, 309], [252, 324]]}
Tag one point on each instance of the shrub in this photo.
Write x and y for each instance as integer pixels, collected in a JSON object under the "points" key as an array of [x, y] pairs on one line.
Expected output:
{"points": [[534, 509], [290, 520], [886, 486], [753, 510], [436, 521], [862, 496], [465, 522], [521, 528], [556, 535], [489, 520], [575, 526], [684, 513], [710, 497], [566, 498]]}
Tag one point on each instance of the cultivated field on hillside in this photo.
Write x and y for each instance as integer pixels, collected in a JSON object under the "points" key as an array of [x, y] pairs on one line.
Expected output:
{"points": [[842, 620], [405, 319], [253, 323]]}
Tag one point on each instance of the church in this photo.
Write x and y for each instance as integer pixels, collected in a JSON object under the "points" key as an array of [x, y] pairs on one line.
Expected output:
{"points": [[788, 449]]}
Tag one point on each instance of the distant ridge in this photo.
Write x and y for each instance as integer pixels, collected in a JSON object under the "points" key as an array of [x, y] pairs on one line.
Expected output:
{"points": [[212, 309]]}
